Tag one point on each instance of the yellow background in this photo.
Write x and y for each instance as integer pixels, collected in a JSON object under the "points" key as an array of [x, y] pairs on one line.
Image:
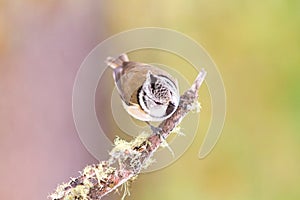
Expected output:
{"points": [[255, 45]]}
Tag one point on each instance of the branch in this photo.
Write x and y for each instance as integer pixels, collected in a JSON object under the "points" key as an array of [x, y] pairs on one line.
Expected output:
{"points": [[127, 159]]}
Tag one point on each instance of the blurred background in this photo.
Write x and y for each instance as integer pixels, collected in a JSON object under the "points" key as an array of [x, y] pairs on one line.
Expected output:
{"points": [[255, 44]]}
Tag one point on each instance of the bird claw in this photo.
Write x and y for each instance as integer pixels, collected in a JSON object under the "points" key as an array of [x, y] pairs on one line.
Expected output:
{"points": [[154, 129]]}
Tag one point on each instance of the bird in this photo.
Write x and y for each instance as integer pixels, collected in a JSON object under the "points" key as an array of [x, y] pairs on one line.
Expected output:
{"points": [[148, 93]]}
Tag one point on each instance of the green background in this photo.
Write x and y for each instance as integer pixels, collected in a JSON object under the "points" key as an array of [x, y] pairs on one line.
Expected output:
{"points": [[255, 45]]}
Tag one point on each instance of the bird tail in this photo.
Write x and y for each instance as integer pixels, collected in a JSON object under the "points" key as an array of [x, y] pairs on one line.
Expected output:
{"points": [[116, 62]]}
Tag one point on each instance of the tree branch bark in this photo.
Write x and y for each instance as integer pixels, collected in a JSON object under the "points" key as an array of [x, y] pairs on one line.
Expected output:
{"points": [[127, 159]]}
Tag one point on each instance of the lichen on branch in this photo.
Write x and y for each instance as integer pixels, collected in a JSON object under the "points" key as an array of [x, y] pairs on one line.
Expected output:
{"points": [[127, 159]]}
